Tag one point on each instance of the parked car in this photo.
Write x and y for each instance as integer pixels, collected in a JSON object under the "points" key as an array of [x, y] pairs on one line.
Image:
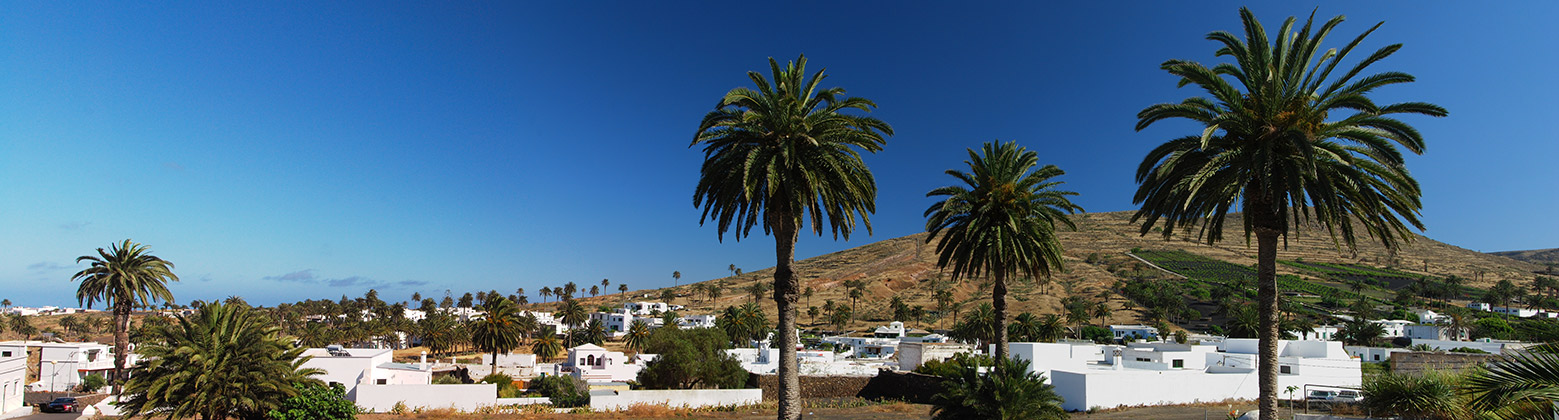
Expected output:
{"points": [[1348, 396], [61, 405], [1319, 395]]}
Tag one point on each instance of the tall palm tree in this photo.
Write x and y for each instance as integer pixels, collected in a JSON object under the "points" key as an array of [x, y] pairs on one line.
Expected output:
{"points": [[1269, 147], [676, 276], [622, 288], [638, 335], [780, 155], [572, 314], [546, 347], [501, 330], [595, 290], [1002, 222], [569, 289], [226, 361], [545, 293], [125, 275]]}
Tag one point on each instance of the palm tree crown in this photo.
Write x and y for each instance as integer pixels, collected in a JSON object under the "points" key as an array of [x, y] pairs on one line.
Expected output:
{"points": [[501, 328], [1002, 221], [1286, 144]]}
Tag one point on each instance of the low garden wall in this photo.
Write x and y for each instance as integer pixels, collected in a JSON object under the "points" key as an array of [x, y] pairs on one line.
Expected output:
{"points": [[381, 398], [1419, 362], [676, 398]]}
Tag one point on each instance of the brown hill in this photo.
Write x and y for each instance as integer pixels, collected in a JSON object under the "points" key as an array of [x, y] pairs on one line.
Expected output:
{"points": [[906, 267], [1536, 256]]}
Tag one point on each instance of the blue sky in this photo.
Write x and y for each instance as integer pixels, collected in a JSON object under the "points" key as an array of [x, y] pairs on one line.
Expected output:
{"points": [[288, 151]]}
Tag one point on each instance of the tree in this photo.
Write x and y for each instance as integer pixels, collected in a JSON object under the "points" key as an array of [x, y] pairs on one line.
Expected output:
{"points": [[691, 359], [595, 290], [676, 277], [668, 295], [545, 293], [437, 330], [1359, 332], [622, 288], [572, 314], [227, 360], [5, 303], [807, 294], [546, 347], [1001, 222], [125, 275], [500, 331], [778, 156], [1008, 391], [593, 332], [466, 300], [638, 335], [568, 290], [944, 299], [20, 325], [1516, 385], [812, 313], [1267, 146], [980, 326]]}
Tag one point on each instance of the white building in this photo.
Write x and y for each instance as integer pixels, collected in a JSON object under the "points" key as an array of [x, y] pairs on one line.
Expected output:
{"points": [[894, 329], [1320, 333], [616, 323], [1373, 354], [1480, 306], [13, 380], [1436, 332], [1109, 376], [1426, 316], [1487, 345], [1519, 312], [1393, 327], [913, 354], [646, 308], [866, 347], [1127, 332], [356, 368], [696, 321], [62, 366], [595, 364]]}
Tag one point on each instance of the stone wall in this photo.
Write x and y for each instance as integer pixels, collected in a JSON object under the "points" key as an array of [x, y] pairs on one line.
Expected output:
{"points": [[907, 386], [1418, 362]]}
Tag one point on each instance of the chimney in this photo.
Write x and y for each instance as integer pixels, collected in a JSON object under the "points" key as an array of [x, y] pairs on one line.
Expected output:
{"points": [[422, 361]]}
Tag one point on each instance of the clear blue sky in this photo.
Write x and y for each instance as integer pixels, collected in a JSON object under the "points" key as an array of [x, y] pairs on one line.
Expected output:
{"points": [[288, 151]]}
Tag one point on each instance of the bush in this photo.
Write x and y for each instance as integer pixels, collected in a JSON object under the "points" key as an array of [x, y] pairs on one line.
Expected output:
{"points": [[565, 391], [92, 383], [952, 366], [316, 402], [1431, 395], [1098, 334], [506, 388]]}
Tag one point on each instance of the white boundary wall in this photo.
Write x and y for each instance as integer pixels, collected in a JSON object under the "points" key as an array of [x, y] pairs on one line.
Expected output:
{"points": [[380, 398], [677, 398]]}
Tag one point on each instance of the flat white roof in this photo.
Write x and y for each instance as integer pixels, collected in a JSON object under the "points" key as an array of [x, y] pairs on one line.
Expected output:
{"points": [[319, 353]]}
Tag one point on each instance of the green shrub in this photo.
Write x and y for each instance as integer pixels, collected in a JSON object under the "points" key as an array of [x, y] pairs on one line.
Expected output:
{"points": [[1431, 395], [950, 367], [565, 391], [92, 383], [316, 402], [689, 359], [506, 388]]}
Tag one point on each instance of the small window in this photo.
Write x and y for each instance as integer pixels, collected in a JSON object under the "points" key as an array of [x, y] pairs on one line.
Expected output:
{"points": [[381, 381], [1285, 369], [5, 354], [1177, 363], [1377, 358], [333, 384]]}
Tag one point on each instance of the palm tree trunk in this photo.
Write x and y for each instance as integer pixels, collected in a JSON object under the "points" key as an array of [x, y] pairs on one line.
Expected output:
{"points": [[785, 231], [121, 341], [1267, 295], [999, 309]]}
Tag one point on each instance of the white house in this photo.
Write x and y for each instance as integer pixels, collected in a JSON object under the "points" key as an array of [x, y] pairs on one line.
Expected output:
{"points": [[13, 380], [1426, 316], [1436, 332], [1480, 306], [894, 329], [595, 364], [1109, 376], [1126, 332], [1373, 354], [356, 368], [1487, 345], [1319, 333], [696, 321], [913, 354], [62, 366], [1519, 312], [616, 323], [1393, 327], [646, 308]]}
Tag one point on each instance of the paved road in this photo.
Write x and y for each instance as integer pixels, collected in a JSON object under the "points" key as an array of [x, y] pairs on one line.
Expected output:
{"points": [[51, 416]]}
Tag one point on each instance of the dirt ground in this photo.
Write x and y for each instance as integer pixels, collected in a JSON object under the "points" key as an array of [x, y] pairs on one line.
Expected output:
{"points": [[870, 412]]}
